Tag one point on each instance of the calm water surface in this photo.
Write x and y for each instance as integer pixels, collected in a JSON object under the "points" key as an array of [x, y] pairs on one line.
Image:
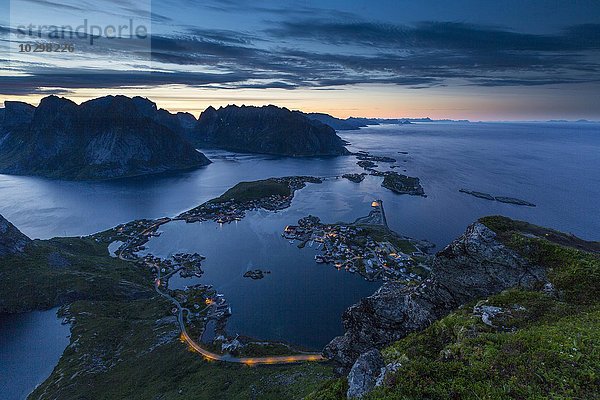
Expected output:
{"points": [[30, 346]]}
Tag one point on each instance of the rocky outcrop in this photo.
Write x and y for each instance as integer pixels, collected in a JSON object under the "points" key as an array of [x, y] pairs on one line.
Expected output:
{"points": [[181, 123], [266, 130], [15, 113], [12, 241], [364, 374], [474, 266], [337, 123], [104, 138]]}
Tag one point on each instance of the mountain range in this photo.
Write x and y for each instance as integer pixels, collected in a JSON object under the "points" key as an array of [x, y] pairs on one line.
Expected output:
{"points": [[117, 136]]}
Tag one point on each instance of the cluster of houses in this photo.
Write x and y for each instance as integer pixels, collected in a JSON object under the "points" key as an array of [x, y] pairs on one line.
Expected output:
{"points": [[222, 212], [133, 235], [233, 210], [351, 248]]}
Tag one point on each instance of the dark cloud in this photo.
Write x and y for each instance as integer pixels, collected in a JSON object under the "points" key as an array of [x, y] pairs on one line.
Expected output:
{"points": [[55, 5], [438, 35], [318, 54], [508, 81], [43, 81], [295, 11]]}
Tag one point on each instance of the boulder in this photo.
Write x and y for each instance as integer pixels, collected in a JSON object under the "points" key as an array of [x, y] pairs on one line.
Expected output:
{"points": [[364, 374]]}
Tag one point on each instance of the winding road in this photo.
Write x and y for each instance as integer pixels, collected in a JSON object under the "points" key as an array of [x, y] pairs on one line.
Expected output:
{"points": [[227, 357]]}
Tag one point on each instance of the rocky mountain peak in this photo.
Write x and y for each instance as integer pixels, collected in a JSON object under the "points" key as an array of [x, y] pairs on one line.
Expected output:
{"points": [[16, 113]]}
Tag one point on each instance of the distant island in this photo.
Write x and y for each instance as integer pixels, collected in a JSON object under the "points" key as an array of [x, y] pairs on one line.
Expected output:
{"points": [[105, 138], [266, 130], [353, 123], [501, 199]]}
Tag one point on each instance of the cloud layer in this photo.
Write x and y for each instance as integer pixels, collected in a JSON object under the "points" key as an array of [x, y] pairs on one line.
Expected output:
{"points": [[322, 52]]}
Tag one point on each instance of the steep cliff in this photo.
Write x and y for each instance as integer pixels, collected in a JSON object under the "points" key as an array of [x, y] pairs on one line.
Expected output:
{"points": [[474, 266], [266, 130], [104, 138]]}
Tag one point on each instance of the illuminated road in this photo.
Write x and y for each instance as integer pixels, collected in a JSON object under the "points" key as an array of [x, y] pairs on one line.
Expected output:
{"points": [[227, 357]]}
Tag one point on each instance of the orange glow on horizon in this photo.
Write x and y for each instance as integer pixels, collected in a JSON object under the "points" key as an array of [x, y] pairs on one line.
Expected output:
{"points": [[371, 101], [357, 101]]}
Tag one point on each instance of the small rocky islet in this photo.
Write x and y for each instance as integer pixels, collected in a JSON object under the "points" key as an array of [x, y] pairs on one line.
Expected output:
{"points": [[403, 184], [256, 274], [501, 199], [356, 178], [397, 183]]}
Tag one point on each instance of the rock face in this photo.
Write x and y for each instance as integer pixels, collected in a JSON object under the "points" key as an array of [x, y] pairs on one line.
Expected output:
{"points": [[12, 241], [474, 266], [16, 113], [104, 138], [266, 130], [180, 123], [364, 373]]}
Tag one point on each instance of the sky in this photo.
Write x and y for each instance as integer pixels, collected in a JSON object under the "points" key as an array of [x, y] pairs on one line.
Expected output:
{"points": [[462, 59]]}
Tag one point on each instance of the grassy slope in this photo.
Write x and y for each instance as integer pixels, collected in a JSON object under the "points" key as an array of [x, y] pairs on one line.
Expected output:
{"points": [[248, 191], [120, 350], [56, 271], [381, 234], [549, 349]]}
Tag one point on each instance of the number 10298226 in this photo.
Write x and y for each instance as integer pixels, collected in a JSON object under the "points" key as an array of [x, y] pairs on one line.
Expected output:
{"points": [[46, 47]]}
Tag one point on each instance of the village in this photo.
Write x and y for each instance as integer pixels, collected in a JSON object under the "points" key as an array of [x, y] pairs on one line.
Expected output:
{"points": [[366, 247], [206, 310]]}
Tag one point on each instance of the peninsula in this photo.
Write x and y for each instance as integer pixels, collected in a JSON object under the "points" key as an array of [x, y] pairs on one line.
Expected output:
{"points": [[367, 246]]}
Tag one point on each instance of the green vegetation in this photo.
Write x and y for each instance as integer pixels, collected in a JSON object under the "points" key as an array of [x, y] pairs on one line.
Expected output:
{"points": [[332, 389], [550, 355], [266, 349], [541, 345], [130, 350], [575, 273], [382, 234], [255, 190], [506, 228], [61, 270]]}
